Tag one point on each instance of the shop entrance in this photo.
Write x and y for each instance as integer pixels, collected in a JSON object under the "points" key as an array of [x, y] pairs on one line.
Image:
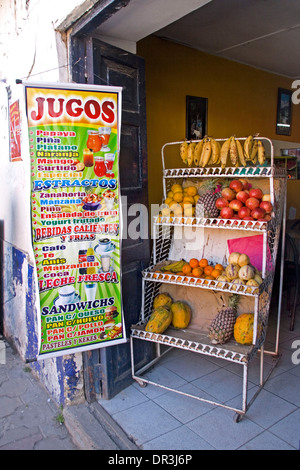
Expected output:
{"points": [[107, 371]]}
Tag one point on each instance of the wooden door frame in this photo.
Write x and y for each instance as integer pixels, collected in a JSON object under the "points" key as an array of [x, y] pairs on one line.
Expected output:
{"points": [[81, 48]]}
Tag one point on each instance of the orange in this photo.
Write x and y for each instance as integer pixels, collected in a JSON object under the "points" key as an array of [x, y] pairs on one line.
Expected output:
{"points": [[216, 272], [197, 272], [194, 263], [219, 267], [203, 263], [187, 269], [208, 270]]}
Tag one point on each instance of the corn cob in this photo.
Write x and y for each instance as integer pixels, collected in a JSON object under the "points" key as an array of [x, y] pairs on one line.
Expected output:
{"points": [[206, 153], [233, 152], [253, 155], [248, 147], [240, 152], [224, 152], [184, 151], [197, 152], [215, 152], [190, 154], [261, 152]]}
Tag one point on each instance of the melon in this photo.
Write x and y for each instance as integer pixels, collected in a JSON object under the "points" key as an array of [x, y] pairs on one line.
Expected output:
{"points": [[232, 271], [246, 272], [234, 257]]}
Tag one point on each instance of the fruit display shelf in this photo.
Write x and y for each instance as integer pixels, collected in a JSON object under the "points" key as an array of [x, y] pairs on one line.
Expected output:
{"points": [[205, 222], [203, 294], [154, 274], [196, 339], [235, 172]]}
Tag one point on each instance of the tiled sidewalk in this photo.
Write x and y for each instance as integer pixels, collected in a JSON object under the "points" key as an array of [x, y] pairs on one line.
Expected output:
{"points": [[155, 418]]}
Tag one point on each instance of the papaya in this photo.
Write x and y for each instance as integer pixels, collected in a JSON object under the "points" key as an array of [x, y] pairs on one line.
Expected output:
{"points": [[181, 314], [162, 300], [159, 320], [243, 328]]}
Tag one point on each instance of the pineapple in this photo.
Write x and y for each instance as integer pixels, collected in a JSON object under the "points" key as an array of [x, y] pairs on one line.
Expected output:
{"points": [[206, 204], [222, 327]]}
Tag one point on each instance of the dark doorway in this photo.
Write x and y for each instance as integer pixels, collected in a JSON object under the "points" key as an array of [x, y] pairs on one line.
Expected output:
{"points": [[108, 370]]}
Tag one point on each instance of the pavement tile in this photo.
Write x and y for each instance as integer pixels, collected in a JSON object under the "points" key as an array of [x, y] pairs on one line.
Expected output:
{"points": [[181, 438], [219, 429], [288, 429], [266, 441], [146, 421]]}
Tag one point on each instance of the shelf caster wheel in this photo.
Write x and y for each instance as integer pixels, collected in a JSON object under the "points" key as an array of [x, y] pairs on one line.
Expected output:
{"points": [[142, 384], [237, 418]]}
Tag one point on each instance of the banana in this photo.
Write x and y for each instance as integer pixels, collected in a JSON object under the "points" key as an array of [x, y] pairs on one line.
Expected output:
{"points": [[233, 152], [248, 147], [261, 152], [190, 154], [206, 153], [215, 152], [174, 267], [184, 151], [253, 155], [240, 152], [224, 152], [198, 152]]}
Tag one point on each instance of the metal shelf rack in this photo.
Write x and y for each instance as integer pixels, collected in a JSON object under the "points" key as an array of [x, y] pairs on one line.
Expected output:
{"points": [[194, 338]]}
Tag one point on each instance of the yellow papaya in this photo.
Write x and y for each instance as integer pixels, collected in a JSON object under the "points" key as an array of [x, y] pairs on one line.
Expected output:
{"points": [[181, 314], [160, 319], [162, 300]]}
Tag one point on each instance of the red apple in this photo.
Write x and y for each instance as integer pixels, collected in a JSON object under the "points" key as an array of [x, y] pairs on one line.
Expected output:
{"points": [[242, 196], [244, 183], [228, 194], [256, 192], [236, 185], [236, 205], [267, 206], [226, 213], [244, 212], [268, 217], [258, 213], [252, 203], [221, 202]]}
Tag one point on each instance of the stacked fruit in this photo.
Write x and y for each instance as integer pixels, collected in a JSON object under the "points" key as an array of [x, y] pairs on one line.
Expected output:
{"points": [[166, 311], [209, 152], [194, 268], [240, 201], [240, 271], [180, 201]]}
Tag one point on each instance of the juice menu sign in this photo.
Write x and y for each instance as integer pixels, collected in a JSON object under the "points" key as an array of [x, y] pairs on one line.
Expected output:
{"points": [[74, 140]]}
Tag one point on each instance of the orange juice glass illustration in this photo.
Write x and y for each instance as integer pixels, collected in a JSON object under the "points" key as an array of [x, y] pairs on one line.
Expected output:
{"points": [[94, 142]]}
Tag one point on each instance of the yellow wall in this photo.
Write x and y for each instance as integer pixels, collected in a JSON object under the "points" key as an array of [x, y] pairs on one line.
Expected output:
{"points": [[241, 100]]}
